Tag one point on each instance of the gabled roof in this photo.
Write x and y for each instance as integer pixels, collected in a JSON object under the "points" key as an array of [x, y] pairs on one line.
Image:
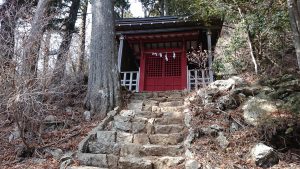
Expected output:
{"points": [[162, 24]]}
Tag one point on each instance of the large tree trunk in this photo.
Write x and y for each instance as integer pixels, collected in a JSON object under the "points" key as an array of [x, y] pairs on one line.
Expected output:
{"points": [[162, 7], [60, 65], [294, 13], [7, 37], [103, 85], [8, 21], [81, 63], [166, 4], [46, 54], [32, 46]]}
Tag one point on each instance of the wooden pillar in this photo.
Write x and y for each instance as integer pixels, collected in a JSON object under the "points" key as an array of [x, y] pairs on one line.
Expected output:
{"points": [[209, 48], [120, 53], [142, 68], [183, 66]]}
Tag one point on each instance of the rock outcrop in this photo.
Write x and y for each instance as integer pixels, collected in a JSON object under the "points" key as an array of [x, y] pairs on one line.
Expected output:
{"points": [[264, 156]]}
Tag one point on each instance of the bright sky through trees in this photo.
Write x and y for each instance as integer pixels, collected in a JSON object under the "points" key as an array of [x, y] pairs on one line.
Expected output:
{"points": [[135, 8]]}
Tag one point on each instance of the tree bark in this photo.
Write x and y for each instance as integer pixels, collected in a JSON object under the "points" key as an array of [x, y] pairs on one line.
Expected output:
{"points": [[294, 13], [103, 84], [162, 7], [46, 54], [32, 46], [166, 4], [7, 36], [60, 64], [8, 20], [81, 63]]}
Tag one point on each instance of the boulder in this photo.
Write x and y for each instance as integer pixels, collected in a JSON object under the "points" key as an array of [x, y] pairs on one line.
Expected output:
{"points": [[15, 134], [227, 102], [66, 163], [292, 103], [50, 119], [256, 108], [56, 153], [212, 130], [224, 85], [247, 90], [264, 156], [38, 160], [234, 127], [188, 117], [87, 115], [127, 113], [69, 109], [192, 164], [191, 137], [222, 140]]}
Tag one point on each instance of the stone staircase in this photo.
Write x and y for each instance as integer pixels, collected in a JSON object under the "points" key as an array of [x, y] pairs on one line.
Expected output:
{"points": [[148, 135]]}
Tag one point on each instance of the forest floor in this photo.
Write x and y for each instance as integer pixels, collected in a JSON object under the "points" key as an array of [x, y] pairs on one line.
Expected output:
{"points": [[242, 137], [206, 148]]}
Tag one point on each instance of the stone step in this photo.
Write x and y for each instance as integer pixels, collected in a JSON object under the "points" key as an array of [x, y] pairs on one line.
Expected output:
{"points": [[148, 104], [166, 139], [97, 147], [170, 94], [98, 160], [171, 103], [130, 124], [168, 129], [161, 150], [147, 114], [106, 136], [141, 138], [166, 162], [172, 109], [135, 105], [134, 163], [137, 150], [177, 114], [124, 137], [168, 121]]}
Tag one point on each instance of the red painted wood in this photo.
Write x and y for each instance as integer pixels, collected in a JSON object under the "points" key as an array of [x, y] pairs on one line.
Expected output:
{"points": [[160, 36], [155, 73], [162, 75]]}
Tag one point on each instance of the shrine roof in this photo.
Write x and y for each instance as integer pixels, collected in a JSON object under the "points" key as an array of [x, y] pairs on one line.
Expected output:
{"points": [[163, 24]]}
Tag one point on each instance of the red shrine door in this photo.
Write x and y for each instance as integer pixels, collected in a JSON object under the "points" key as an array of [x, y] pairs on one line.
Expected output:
{"points": [[163, 70]]}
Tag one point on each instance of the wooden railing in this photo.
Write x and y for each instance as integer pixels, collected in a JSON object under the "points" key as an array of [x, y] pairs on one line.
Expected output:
{"points": [[198, 78], [130, 80]]}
